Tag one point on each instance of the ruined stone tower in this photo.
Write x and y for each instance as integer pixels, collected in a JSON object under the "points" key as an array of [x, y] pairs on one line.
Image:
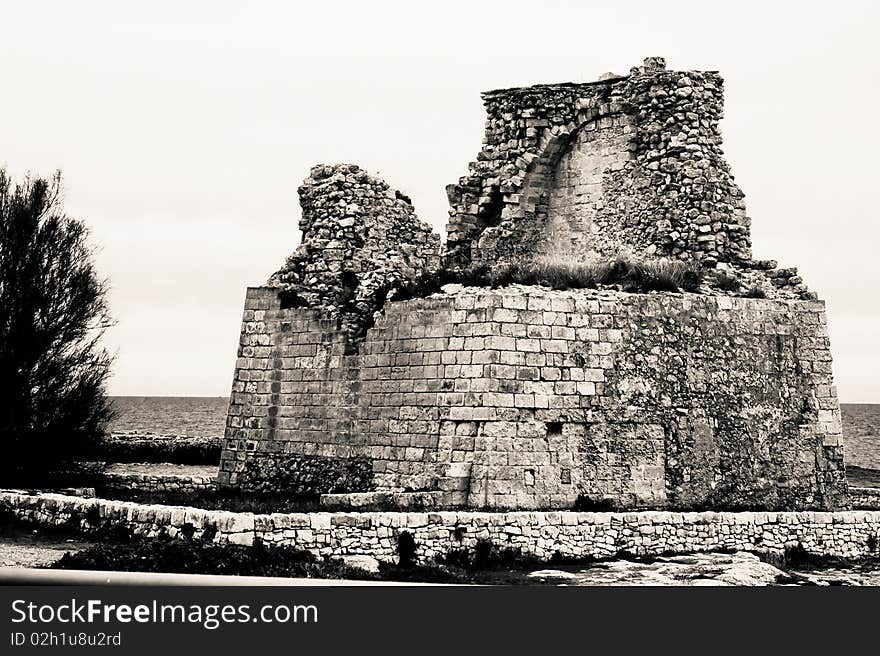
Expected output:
{"points": [[522, 396], [628, 163]]}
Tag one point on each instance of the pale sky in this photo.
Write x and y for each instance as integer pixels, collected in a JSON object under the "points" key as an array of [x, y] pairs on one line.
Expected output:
{"points": [[184, 128]]}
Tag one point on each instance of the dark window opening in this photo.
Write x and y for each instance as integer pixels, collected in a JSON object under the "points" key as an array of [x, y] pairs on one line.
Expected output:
{"points": [[490, 214], [289, 300], [348, 284]]}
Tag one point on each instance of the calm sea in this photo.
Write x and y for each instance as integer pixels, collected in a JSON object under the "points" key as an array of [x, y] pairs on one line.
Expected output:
{"points": [[203, 416], [861, 434], [194, 416]]}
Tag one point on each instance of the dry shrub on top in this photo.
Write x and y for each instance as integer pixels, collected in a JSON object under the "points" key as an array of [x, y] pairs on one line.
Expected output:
{"points": [[625, 272]]}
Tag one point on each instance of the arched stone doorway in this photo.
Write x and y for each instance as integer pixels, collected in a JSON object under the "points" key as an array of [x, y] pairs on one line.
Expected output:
{"points": [[575, 198]]}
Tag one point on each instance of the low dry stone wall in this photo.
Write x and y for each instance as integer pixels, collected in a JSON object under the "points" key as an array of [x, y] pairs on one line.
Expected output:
{"points": [[850, 534], [156, 477], [158, 482], [139, 447], [865, 498]]}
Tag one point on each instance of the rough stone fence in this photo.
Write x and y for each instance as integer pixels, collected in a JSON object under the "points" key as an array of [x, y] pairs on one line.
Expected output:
{"points": [[136, 482], [850, 534], [138, 446], [865, 498], [154, 477]]}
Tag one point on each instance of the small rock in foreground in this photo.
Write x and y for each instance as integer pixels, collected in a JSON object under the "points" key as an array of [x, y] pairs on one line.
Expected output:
{"points": [[694, 569]]}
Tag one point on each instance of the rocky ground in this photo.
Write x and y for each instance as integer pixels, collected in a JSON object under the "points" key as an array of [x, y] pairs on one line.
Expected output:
{"points": [[705, 569], [695, 569], [858, 574], [23, 549]]}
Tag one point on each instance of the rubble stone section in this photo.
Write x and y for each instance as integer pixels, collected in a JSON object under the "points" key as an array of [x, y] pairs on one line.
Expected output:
{"points": [[636, 159], [524, 397], [850, 534], [358, 237]]}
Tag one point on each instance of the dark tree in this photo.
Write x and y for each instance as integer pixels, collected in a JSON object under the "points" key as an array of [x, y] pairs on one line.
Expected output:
{"points": [[53, 313]]}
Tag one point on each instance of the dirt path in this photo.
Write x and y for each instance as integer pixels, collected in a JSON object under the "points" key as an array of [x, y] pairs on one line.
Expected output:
{"points": [[23, 550]]}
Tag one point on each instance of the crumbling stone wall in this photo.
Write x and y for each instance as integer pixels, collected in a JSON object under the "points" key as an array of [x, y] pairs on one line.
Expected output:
{"points": [[525, 397], [656, 180], [359, 237], [292, 399]]}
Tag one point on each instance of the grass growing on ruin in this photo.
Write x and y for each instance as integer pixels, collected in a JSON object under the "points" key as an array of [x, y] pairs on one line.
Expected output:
{"points": [[726, 282], [625, 273]]}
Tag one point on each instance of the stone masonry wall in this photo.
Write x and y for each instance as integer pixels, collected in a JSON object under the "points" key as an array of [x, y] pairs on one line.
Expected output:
{"points": [[851, 534], [636, 160], [293, 397], [575, 194], [530, 398]]}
